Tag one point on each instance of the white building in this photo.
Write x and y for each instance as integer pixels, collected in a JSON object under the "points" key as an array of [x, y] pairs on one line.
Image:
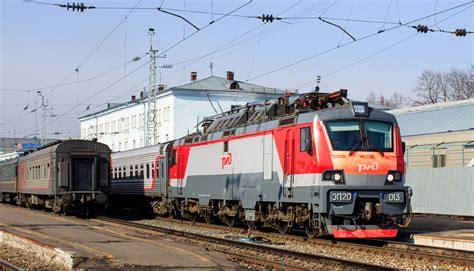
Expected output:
{"points": [[123, 126]]}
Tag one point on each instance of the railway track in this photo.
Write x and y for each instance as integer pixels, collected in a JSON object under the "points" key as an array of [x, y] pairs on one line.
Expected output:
{"points": [[6, 266], [256, 255], [375, 247]]}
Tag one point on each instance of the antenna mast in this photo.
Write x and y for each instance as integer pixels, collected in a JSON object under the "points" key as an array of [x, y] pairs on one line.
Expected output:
{"points": [[151, 124]]}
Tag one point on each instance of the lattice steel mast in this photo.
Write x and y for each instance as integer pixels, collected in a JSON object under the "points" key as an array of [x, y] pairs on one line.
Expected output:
{"points": [[151, 117]]}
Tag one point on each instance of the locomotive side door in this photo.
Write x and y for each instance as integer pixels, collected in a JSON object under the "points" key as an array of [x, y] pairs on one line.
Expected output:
{"points": [[288, 178]]}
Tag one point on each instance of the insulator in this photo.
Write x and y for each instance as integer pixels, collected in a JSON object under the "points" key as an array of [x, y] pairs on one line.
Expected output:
{"points": [[461, 32], [422, 28]]}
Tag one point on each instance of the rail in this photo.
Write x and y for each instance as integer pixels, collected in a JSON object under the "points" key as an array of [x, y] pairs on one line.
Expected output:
{"points": [[292, 257]]}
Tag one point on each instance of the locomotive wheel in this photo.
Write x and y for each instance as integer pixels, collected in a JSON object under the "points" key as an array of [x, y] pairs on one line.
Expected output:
{"points": [[193, 217], [311, 231], [230, 221], [209, 218], [282, 227]]}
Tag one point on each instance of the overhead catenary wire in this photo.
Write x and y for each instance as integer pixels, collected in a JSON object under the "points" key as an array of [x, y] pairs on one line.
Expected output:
{"points": [[377, 52], [162, 53], [357, 40], [92, 78]]}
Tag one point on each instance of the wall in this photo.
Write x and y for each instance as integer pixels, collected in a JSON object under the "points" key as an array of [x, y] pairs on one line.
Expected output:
{"points": [[419, 149], [448, 191]]}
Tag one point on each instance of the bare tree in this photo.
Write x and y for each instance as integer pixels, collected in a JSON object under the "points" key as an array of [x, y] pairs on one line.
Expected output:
{"points": [[434, 87], [397, 100], [427, 88]]}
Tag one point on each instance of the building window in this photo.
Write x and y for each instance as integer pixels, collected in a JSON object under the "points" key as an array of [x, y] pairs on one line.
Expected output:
{"points": [[439, 160], [166, 137], [120, 146], [133, 144]]}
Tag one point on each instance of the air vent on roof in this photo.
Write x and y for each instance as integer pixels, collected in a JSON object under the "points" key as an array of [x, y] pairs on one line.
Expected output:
{"points": [[288, 121], [229, 133]]}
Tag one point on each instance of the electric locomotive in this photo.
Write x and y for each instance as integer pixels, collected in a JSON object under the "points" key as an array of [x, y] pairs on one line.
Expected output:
{"points": [[59, 176], [314, 161]]}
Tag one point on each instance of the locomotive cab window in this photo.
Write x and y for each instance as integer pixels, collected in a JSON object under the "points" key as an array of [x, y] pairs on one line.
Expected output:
{"points": [[305, 140], [345, 135], [379, 135], [355, 135]]}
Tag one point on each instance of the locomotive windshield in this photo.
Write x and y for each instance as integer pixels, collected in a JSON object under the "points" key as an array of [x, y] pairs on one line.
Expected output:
{"points": [[358, 135]]}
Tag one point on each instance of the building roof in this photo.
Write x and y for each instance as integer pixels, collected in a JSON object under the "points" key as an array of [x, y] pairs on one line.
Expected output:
{"points": [[212, 83], [216, 83], [436, 118]]}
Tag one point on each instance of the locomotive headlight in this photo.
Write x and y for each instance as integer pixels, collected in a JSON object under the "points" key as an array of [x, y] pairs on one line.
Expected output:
{"points": [[390, 177], [393, 176], [337, 176]]}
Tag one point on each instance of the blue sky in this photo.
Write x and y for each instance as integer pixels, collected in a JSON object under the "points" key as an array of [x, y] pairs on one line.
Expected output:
{"points": [[42, 44]]}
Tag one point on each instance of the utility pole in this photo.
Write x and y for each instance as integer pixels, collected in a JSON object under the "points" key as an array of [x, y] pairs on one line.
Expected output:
{"points": [[151, 121], [45, 108], [151, 125]]}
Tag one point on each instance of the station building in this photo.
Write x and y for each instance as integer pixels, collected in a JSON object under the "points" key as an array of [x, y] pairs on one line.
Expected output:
{"points": [[438, 135], [179, 109]]}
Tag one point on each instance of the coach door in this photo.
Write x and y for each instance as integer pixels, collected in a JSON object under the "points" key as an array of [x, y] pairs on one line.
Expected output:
{"points": [[288, 178], [160, 176], [83, 173]]}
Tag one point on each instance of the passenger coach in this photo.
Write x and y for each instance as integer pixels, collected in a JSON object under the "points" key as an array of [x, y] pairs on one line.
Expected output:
{"points": [[58, 176]]}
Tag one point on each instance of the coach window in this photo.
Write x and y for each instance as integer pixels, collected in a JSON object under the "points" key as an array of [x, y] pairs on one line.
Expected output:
{"points": [[142, 175], [147, 171], [131, 171], [48, 170], [305, 140], [125, 175]]}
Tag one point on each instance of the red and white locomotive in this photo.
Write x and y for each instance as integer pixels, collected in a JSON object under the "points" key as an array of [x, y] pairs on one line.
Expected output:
{"points": [[314, 161]]}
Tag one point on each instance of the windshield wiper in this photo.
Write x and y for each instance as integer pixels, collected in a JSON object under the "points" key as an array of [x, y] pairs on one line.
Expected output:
{"points": [[377, 148], [356, 145]]}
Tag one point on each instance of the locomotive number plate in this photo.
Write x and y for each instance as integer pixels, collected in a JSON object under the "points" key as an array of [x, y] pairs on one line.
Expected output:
{"points": [[340, 196], [394, 197]]}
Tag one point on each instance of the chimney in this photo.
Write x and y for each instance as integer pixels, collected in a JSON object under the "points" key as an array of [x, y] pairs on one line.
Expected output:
{"points": [[134, 98], [161, 87], [230, 76], [194, 76]]}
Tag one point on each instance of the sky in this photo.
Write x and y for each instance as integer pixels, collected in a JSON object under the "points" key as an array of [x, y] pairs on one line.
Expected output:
{"points": [[80, 61]]}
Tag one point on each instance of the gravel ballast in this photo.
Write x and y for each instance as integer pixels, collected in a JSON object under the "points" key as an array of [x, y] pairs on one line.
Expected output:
{"points": [[24, 259]]}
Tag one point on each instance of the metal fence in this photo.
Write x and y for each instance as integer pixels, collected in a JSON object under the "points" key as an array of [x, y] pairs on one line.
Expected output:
{"points": [[447, 191]]}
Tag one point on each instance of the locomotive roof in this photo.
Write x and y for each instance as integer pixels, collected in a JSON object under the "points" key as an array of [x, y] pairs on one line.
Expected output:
{"points": [[287, 110], [290, 109], [67, 146]]}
